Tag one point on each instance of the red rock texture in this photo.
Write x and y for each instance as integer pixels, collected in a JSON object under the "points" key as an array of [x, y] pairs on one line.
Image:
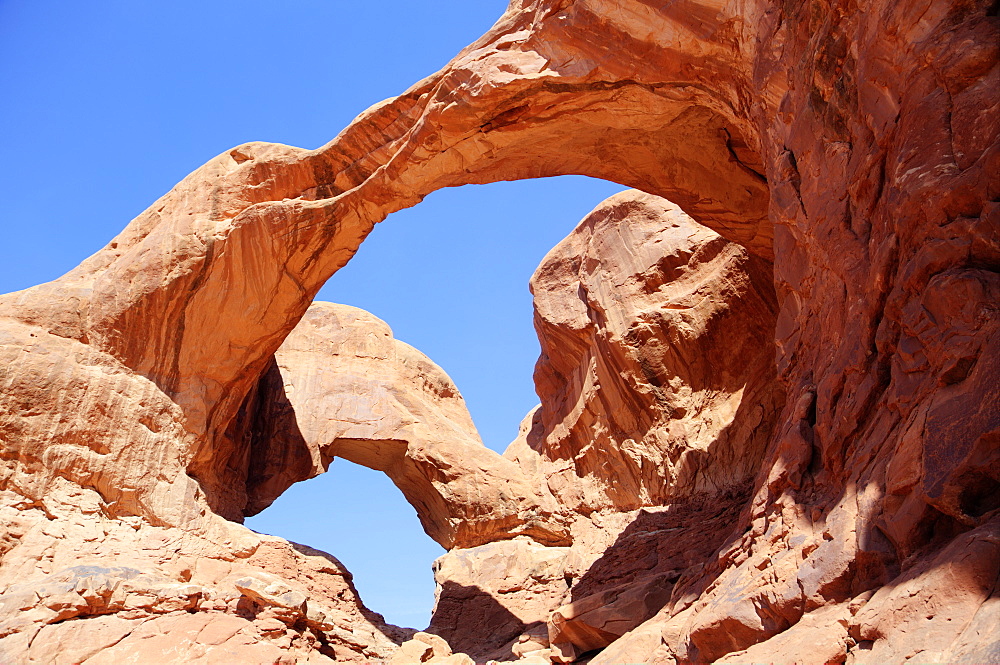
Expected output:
{"points": [[656, 354], [851, 151], [80, 585], [658, 388]]}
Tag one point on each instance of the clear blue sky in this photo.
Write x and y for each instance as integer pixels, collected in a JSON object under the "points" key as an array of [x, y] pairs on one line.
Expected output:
{"points": [[106, 105]]}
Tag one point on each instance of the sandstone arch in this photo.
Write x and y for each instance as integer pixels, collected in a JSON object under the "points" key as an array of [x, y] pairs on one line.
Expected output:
{"points": [[524, 101], [354, 392], [876, 130]]}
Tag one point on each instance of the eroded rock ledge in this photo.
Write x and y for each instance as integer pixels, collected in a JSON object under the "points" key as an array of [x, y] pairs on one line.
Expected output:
{"points": [[856, 493]]}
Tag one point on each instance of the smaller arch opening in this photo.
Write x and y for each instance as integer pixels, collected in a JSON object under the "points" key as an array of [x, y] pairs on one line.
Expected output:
{"points": [[360, 517]]}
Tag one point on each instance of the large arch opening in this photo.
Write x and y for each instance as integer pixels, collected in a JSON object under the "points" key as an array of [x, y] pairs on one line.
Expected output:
{"points": [[450, 276], [470, 125], [424, 245], [306, 212]]}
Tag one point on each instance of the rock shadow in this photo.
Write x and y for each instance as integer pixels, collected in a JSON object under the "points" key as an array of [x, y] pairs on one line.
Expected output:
{"points": [[677, 540], [659, 560], [269, 451], [473, 622]]}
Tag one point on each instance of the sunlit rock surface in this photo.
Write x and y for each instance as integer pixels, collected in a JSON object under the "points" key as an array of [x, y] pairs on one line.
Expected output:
{"points": [[657, 376], [854, 149]]}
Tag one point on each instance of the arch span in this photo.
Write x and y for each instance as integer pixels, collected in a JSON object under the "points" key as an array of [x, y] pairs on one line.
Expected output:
{"points": [[342, 386], [878, 129], [250, 237]]}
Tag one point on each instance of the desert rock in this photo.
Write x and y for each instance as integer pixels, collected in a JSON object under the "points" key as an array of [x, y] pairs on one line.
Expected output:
{"points": [[847, 156], [494, 598], [657, 373]]}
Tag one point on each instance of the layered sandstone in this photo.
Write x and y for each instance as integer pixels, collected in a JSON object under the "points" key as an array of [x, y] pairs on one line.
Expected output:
{"points": [[850, 151], [82, 585], [656, 377]]}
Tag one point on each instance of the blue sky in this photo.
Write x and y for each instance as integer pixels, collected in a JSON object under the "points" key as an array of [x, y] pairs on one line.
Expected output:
{"points": [[104, 106]]}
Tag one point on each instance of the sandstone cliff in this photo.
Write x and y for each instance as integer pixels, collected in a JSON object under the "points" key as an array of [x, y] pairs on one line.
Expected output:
{"points": [[840, 501]]}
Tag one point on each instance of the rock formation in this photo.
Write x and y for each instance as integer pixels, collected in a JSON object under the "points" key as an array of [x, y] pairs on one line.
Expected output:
{"points": [[83, 585], [836, 501], [656, 353], [350, 390], [659, 396]]}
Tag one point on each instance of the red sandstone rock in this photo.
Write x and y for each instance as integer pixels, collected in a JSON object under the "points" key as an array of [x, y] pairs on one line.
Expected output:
{"points": [[490, 596], [79, 585], [637, 268], [655, 336], [856, 147]]}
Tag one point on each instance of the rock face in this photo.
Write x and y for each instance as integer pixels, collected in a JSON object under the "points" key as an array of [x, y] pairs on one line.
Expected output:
{"points": [[656, 354], [658, 388], [82, 586], [849, 488], [488, 596]]}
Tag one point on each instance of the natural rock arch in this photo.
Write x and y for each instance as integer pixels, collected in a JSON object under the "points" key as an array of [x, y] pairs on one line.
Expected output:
{"points": [[857, 147], [526, 100]]}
